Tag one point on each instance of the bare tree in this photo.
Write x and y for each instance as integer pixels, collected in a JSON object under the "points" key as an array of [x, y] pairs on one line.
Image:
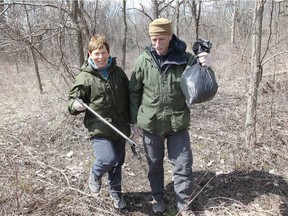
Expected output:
{"points": [[1, 11], [195, 7], [256, 74], [231, 15], [177, 12], [33, 52], [74, 15], [124, 39], [157, 7], [2, 18]]}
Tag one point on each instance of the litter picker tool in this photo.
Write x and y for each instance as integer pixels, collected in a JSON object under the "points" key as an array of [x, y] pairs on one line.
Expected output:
{"points": [[134, 147]]}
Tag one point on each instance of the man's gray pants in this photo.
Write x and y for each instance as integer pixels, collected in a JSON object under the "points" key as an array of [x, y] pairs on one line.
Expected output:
{"points": [[180, 156]]}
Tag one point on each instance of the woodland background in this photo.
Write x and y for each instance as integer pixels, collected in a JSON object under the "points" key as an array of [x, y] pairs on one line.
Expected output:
{"points": [[239, 139]]}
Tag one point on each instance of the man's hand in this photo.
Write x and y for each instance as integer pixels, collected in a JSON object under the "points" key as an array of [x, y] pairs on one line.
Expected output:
{"points": [[136, 131], [204, 59], [78, 106]]}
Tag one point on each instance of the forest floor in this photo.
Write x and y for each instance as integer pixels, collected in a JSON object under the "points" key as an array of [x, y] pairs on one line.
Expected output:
{"points": [[46, 154]]}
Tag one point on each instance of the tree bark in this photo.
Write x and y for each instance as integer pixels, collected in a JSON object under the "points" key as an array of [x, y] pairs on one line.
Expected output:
{"points": [[2, 20], [233, 24], [155, 8], [34, 56], [36, 67], [256, 73], [196, 12], [177, 17], [75, 9], [124, 40]]}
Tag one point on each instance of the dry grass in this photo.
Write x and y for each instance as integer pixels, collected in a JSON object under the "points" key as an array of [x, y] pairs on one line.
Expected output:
{"points": [[45, 152]]}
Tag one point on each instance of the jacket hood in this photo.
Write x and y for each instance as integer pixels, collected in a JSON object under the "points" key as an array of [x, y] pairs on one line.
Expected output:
{"points": [[177, 44]]}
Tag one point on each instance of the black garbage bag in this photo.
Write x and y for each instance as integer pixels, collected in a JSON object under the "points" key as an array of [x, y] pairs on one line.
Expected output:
{"points": [[198, 84]]}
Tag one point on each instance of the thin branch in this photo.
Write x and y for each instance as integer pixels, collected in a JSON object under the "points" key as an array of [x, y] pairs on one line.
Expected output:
{"points": [[179, 213], [4, 10], [36, 5], [51, 167], [143, 11], [270, 32], [277, 54]]}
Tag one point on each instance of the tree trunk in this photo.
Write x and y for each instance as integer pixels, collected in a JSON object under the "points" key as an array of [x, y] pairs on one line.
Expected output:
{"points": [[196, 16], [2, 20], [34, 56], [177, 18], [155, 8], [75, 9], [124, 40], [36, 67], [256, 73], [86, 31], [234, 16]]}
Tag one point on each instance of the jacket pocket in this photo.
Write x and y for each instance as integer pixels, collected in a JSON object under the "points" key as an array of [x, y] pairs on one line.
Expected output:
{"points": [[180, 120], [145, 117]]}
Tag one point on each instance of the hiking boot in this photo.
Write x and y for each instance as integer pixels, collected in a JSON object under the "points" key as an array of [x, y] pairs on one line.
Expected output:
{"points": [[187, 213], [94, 183], [158, 207], [118, 201]]}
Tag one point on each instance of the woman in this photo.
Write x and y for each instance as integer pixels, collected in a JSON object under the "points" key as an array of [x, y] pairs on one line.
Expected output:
{"points": [[104, 87]]}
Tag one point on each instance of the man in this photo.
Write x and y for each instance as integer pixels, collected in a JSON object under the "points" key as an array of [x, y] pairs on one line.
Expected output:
{"points": [[158, 107], [100, 84]]}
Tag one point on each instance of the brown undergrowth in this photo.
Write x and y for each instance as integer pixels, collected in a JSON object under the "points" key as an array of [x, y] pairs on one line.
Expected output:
{"points": [[45, 154]]}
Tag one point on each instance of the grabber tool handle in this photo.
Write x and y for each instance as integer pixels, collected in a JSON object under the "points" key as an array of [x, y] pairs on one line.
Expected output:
{"points": [[134, 147]]}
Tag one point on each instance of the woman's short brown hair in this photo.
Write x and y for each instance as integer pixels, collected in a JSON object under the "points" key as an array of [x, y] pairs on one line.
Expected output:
{"points": [[98, 42]]}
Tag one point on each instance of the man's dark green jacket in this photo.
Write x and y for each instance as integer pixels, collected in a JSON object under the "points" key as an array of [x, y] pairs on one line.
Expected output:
{"points": [[157, 103]]}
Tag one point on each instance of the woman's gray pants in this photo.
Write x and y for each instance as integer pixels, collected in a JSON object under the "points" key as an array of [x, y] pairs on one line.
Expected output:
{"points": [[180, 156], [110, 156]]}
